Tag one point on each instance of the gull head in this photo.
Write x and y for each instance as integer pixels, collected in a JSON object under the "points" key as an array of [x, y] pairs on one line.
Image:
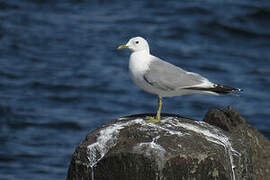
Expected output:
{"points": [[136, 44]]}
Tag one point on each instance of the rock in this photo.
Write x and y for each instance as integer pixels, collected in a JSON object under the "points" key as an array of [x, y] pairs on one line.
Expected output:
{"points": [[177, 148], [258, 146]]}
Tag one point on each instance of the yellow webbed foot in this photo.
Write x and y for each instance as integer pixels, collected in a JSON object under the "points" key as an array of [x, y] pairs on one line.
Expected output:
{"points": [[152, 119]]}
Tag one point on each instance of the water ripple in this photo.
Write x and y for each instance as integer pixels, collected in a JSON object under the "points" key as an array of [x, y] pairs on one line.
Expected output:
{"points": [[61, 75]]}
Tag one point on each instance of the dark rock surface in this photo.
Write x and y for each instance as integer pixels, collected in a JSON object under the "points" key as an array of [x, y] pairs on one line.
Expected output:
{"points": [[259, 147], [177, 148]]}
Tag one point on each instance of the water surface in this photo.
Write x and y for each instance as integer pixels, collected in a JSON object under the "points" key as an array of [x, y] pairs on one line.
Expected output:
{"points": [[61, 75]]}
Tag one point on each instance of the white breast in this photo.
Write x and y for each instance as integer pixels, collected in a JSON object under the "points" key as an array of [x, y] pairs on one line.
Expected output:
{"points": [[138, 65]]}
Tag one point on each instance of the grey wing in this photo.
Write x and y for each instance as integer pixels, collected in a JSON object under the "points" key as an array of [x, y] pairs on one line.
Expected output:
{"points": [[166, 76]]}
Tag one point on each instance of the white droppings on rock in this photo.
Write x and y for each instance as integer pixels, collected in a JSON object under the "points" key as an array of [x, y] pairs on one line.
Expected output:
{"points": [[106, 140], [152, 149], [153, 144], [165, 129], [108, 136], [214, 136]]}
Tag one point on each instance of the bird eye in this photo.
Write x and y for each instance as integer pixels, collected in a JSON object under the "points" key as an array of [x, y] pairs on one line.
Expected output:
{"points": [[137, 42]]}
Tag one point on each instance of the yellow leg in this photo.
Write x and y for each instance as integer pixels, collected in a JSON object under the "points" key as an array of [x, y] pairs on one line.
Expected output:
{"points": [[159, 108], [157, 119]]}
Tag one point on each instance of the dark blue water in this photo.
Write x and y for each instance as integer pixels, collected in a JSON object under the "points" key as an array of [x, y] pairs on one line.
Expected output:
{"points": [[61, 75]]}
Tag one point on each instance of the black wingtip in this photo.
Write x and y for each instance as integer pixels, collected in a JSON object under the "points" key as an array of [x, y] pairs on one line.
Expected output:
{"points": [[220, 89]]}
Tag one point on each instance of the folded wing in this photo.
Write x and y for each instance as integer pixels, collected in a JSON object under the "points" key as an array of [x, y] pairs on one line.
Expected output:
{"points": [[167, 77]]}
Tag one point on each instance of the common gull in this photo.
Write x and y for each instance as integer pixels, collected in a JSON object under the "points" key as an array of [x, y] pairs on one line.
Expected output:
{"points": [[159, 77]]}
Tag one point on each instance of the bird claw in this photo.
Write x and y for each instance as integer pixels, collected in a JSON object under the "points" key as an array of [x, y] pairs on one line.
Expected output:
{"points": [[152, 119]]}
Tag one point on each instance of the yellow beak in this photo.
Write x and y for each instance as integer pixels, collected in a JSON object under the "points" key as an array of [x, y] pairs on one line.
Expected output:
{"points": [[122, 47]]}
